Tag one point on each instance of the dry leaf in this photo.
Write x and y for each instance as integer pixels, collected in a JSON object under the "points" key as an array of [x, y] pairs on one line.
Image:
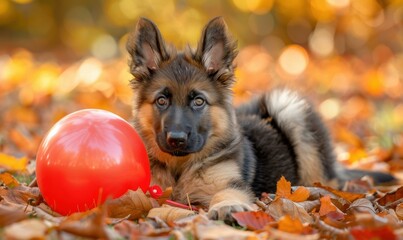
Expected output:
{"points": [[362, 205], [89, 224], [253, 220], [391, 197], [22, 195], [278, 234], [169, 214], [383, 232], [27, 229], [11, 213], [300, 195], [9, 180], [351, 197], [282, 206], [291, 225], [326, 206], [310, 205], [12, 163], [399, 211], [212, 230], [284, 190], [133, 203]]}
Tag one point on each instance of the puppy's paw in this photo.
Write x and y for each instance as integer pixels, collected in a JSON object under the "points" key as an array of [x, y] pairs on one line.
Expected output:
{"points": [[224, 209]]}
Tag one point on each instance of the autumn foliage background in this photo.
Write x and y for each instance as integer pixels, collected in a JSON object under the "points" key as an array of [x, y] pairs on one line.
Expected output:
{"points": [[57, 57]]}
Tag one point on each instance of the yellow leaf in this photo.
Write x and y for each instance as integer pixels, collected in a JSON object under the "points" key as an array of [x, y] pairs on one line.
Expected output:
{"points": [[169, 214], [12, 163]]}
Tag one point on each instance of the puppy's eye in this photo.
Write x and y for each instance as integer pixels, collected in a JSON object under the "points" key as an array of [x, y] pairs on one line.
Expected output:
{"points": [[162, 101], [199, 102]]}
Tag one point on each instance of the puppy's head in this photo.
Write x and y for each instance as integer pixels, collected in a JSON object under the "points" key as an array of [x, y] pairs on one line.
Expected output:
{"points": [[182, 99]]}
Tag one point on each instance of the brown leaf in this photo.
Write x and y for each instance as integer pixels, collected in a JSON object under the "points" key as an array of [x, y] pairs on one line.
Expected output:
{"points": [[9, 180], [127, 229], [253, 220], [11, 213], [169, 214], [27, 229], [89, 224], [362, 205], [391, 197], [22, 195], [351, 197], [282, 206], [133, 203], [399, 211], [310, 205]]}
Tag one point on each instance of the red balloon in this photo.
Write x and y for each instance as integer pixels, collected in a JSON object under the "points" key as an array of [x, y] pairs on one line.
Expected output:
{"points": [[87, 157]]}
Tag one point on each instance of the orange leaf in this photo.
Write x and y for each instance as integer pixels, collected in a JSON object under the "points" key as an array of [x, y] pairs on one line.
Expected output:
{"points": [[9, 180], [326, 206], [300, 195], [253, 220], [351, 197], [283, 188], [288, 224]]}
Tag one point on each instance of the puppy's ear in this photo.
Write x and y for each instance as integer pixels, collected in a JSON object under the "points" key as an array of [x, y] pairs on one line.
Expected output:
{"points": [[216, 49], [146, 47]]}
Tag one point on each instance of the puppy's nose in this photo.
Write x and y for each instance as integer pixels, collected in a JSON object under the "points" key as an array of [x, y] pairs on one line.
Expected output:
{"points": [[177, 139]]}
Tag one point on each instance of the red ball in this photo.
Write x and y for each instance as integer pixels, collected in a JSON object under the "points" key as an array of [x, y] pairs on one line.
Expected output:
{"points": [[87, 157]]}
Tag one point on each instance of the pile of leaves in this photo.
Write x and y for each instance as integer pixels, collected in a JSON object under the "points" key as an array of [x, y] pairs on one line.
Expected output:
{"points": [[360, 211]]}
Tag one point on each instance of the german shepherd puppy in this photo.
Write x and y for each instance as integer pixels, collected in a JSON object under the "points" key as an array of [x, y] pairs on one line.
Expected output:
{"points": [[198, 143]]}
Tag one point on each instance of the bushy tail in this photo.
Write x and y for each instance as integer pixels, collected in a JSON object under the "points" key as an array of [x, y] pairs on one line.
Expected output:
{"points": [[295, 118]]}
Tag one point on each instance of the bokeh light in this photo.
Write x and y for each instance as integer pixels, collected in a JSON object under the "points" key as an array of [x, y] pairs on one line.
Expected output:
{"points": [[345, 55]]}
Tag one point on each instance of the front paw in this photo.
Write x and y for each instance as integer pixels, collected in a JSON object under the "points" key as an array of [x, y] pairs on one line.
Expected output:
{"points": [[223, 210]]}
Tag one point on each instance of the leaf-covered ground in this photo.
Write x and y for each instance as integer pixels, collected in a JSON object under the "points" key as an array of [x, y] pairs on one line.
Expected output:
{"points": [[360, 211]]}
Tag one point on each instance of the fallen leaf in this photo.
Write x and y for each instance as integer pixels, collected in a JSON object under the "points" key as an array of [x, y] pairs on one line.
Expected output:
{"points": [[291, 225], [253, 220], [391, 197], [211, 230], [12, 163], [284, 190], [22, 195], [399, 211], [282, 206], [9, 180], [300, 195], [133, 203], [27, 229], [362, 205], [169, 214], [127, 229], [11, 213], [89, 224], [310, 205], [383, 232], [351, 197], [326, 206]]}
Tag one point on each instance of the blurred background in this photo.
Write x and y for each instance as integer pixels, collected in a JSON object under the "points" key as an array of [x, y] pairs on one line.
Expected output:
{"points": [[57, 57]]}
